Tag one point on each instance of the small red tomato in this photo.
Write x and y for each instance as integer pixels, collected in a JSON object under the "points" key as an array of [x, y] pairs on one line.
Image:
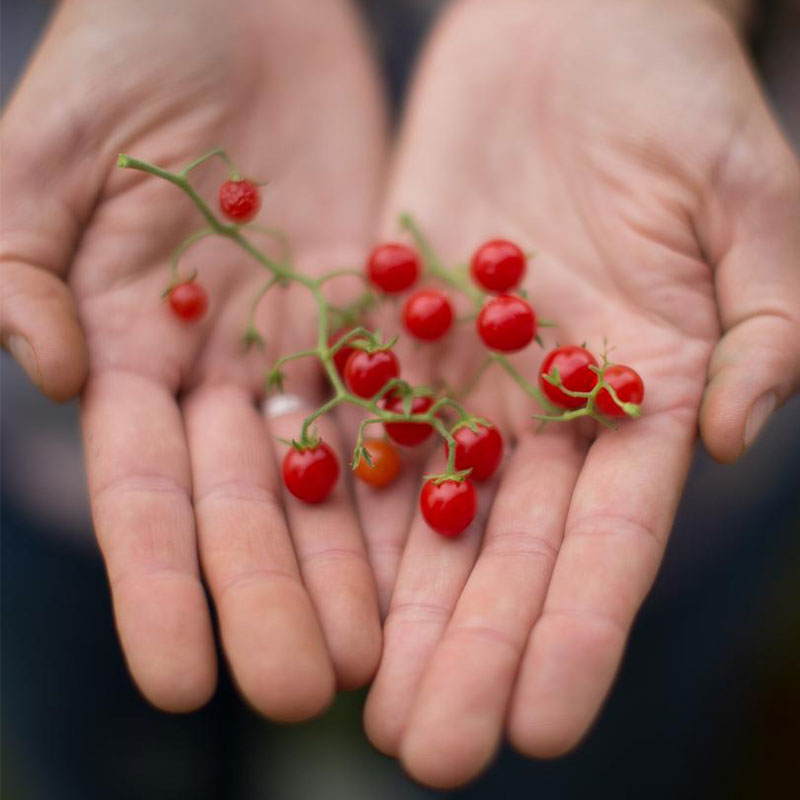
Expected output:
{"points": [[239, 200], [409, 434], [498, 266], [479, 451], [448, 507], [310, 474], [628, 386], [367, 373], [341, 356], [572, 363], [428, 314], [188, 301], [393, 267], [385, 464], [506, 323]]}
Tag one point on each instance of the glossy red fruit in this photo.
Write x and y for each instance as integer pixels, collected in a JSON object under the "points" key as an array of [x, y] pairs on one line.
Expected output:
{"points": [[385, 464], [188, 301], [506, 323], [310, 474], [481, 451], [367, 373], [428, 314], [448, 507], [239, 200], [393, 267], [341, 356], [572, 363], [498, 266], [409, 434], [628, 386]]}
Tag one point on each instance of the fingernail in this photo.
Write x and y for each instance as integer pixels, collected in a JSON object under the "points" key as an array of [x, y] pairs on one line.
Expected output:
{"points": [[759, 414], [23, 354]]}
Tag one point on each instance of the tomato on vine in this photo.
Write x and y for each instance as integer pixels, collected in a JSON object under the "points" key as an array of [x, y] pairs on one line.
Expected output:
{"points": [[188, 300], [385, 465], [239, 200], [409, 434], [428, 314], [628, 386], [393, 267], [449, 506], [310, 473], [506, 323], [572, 364], [341, 356], [367, 373], [480, 450], [498, 266]]}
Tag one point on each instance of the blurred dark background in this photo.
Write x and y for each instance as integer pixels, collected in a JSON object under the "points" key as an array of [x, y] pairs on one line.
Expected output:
{"points": [[707, 703]]}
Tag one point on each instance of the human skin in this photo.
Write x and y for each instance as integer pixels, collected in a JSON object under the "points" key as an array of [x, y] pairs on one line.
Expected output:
{"points": [[627, 143], [181, 465]]}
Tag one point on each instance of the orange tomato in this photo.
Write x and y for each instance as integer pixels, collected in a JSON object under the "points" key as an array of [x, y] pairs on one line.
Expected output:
{"points": [[385, 463]]}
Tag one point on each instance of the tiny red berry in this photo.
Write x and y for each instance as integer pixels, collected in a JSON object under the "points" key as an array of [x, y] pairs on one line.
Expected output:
{"points": [[385, 464], [448, 507], [341, 356], [572, 363], [628, 386], [498, 266], [506, 323], [311, 473], [428, 314], [367, 373], [188, 300], [481, 450], [239, 200], [409, 434], [393, 267]]}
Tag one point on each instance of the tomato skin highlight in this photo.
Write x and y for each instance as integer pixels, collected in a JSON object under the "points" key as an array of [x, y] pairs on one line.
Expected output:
{"points": [[188, 300], [239, 200], [408, 434], [310, 474], [385, 464], [498, 266], [480, 451], [448, 507], [628, 385], [393, 267], [367, 373], [428, 314], [506, 323], [573, 364]]}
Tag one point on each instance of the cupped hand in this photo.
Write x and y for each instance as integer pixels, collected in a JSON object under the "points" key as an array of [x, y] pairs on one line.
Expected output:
{"points": [[181, 465], [628, 144]]}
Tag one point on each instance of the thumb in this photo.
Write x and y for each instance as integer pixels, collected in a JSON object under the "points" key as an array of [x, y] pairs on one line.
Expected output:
{"points": [[753, 236]]}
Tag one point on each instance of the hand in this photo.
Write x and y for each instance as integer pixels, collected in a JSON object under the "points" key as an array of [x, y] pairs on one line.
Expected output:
{"points": [[180, 462], [628, 144]]}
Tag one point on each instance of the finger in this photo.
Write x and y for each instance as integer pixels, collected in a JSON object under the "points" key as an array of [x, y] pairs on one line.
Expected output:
{"points": [[457, 717], [140, 484], [268, 626], [618, 522], [753, 237], [334, 565]]}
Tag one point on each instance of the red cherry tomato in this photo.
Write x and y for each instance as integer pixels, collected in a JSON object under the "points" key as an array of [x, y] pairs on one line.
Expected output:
{"points": [[310, 474], [498, 266], [341, 356], [393, 267], [385, 463], [367, 373], [573, 364], [448, 507], [428, 314], [479, 451], [409, 434], [506, 323], [628, 386], [239, 200], [188, 301]]}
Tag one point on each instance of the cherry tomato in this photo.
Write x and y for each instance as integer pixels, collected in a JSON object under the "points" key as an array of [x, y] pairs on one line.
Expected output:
{"points": [[310, 474], [239, 200], [498, 266], [393, 267], [506, 323], [480, 451], [409, 434], [367, 373], [385, 463], [341, 356], [628, 386], [188, 300], [448, 507], [573, 364], [428, 314]]}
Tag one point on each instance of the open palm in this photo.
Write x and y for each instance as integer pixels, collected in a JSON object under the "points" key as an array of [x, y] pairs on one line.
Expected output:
{"points": [[627, 144]]}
